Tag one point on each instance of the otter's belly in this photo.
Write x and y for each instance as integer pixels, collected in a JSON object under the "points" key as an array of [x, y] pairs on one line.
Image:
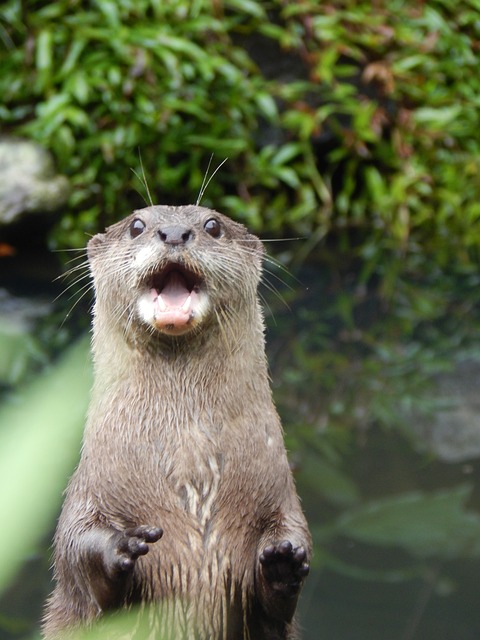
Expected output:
{"points": [[198, 589], [198, 580]]}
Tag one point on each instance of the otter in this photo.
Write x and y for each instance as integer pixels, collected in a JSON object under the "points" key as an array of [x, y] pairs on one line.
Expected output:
{"points": [[183, 498]]}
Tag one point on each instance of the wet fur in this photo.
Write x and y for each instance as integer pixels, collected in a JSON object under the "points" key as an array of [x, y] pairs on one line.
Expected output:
{"points": [[181, 434]]}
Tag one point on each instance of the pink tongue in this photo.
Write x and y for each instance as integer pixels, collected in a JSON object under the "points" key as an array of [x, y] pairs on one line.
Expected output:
{"points": [[175, 293]]}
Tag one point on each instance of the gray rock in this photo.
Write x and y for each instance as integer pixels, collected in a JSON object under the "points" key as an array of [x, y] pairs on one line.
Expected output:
{"points": [[453, 430], [28, 183]]}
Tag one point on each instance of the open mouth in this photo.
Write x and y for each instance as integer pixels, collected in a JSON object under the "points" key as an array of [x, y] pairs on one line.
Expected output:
{"points": [[177, 299]]}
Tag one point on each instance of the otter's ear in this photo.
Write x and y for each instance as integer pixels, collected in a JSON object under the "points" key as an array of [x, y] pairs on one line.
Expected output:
{"points": [[95, 244]]}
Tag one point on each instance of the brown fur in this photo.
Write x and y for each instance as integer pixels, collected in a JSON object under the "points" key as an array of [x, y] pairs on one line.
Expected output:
{"points": [[182, 434]]}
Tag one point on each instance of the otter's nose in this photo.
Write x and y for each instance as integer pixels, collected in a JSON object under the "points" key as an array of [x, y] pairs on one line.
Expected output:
{"points": [[175, 234]]}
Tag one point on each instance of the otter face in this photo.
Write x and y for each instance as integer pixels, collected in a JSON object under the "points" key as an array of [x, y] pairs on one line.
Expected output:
{"points": [[181, 266]]}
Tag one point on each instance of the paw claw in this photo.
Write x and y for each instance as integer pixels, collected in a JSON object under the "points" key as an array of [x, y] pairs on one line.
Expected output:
{"points": [[285, 548], [300, 554], [134, 542], [126, 564]]}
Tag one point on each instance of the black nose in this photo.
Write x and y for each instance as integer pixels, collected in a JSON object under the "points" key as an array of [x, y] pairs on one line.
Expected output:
{"points": [[175, 234]]}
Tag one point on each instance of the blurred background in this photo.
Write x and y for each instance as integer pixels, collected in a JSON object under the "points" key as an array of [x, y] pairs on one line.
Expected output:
{"points": [[352, 132]]}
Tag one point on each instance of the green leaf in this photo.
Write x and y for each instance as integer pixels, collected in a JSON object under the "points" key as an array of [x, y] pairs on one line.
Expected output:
{"points": [[230, 147], [110, 10], [39, 443], [286, 153], [425, 524], [437, 118], [17, 351], [246, 6], [181, 45], [52, 106], [78, 85], [44, 53], [288, 176], [75, 50], [266, 105]]}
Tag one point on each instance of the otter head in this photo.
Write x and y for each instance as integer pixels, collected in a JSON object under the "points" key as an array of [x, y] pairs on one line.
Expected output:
{"points": [[173, 270]]}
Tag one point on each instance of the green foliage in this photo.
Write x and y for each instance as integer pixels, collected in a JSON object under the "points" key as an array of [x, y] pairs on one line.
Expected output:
{"points": [[377, 134], [107, 83], [426, 525], [18, 349], [37, 452], [368, 146]]}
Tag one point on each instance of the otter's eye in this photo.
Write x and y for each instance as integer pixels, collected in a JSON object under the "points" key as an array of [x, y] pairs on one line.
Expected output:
{"points": [[136, 227], [212, 227]]}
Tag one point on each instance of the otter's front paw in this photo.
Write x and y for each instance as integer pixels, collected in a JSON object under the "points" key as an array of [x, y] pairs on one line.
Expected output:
{"points": [[109, 559], [132, 543], [284, 567]]}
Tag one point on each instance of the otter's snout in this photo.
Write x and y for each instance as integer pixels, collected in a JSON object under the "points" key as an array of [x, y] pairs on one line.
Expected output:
{"points": [[175, 234]]}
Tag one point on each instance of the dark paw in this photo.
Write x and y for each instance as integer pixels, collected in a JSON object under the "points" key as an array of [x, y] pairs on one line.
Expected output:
{"points": [[133, 543], [284, 567]]}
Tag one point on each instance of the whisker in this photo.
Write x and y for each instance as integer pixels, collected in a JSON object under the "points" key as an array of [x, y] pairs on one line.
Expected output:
{"points": [[265, 304], [70, 272], [204, 186], [143, 181], [275, 291], [77, 302], [200, 193], [276, 239], [271, 272], [77, 274], [140, 180], [267, 258], [72, 285], [74, 267]]}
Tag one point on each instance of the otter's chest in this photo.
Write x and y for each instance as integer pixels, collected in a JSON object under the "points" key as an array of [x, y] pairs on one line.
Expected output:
{"points": [[209, 472], [193, 475]]}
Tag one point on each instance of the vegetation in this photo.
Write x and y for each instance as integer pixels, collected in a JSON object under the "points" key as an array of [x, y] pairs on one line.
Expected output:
{"points": [[349, 124]]}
